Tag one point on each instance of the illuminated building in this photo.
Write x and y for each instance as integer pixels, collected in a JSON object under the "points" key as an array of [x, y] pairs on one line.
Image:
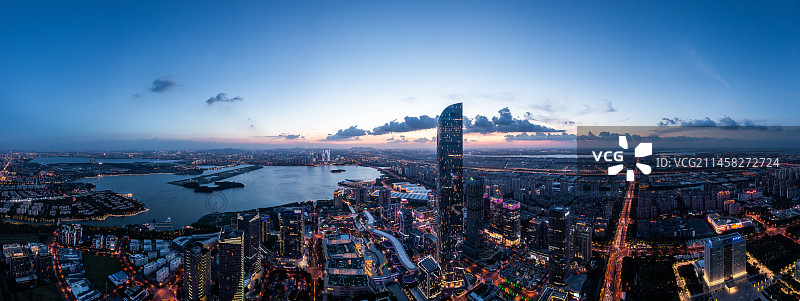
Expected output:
{"points": [[423, 216], [724, 260], [473, 236], [797, 270], [496, 218], [338, 197], [231, 264], [582, 244], [724, 223], [292, 235], [450, 186], [71, 234], [511, 223], [265, 226], [196, 272], [430, 278], [558, 244], [349, 266], [250, 225]]}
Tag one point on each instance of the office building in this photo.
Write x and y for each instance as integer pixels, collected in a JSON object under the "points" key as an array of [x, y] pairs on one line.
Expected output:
{"points": [[724, 259], [231, 265], [582, 242], [266, 225], [558, 244], [511, 223], [496, 214], [450, 187], [196, 272], [430, 278], [473, 219], [250, 225], [292, 244]]}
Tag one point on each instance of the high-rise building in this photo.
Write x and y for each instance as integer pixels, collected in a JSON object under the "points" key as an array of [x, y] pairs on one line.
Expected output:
{"points": [[473, 234], [724, 259], [196, 272], [511, 223], [558, 244], [266, 224], [250, 225], [430, 278], [496, 216], [406, 221], [582, 243], [292, 242], [338, 197], [449, 185], [231, 264]]}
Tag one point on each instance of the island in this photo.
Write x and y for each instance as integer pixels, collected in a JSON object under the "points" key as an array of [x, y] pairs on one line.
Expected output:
{"points": [[196, 183], [221, 185]]}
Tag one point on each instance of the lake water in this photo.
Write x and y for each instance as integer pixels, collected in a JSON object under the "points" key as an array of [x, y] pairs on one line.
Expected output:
{"points": [[266, 187]]}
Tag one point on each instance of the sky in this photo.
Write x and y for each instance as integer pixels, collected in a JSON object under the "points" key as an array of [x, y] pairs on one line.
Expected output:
{"points": [[264, 74]]}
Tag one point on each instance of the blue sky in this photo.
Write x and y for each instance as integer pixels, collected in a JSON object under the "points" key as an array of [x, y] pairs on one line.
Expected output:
{"points": [[74, 74]]}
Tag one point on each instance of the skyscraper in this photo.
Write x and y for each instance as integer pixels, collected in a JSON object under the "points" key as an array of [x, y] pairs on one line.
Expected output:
{"points": [[558, 244], [582, 243], [449, 185], [265, 226], [291, 234], [724, 259], [196, 272], [511, 223], [250, 225], [496, 215], [231, 265], [473, 234]]}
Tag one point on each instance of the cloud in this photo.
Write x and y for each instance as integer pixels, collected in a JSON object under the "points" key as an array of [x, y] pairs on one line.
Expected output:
{"points": [[223, 97], [609, 106], [404, 140], [704, 67], [282, 136], [162, 85], [409, 124], [504, 123], [344, 134], [724, 122], [540, 136]]}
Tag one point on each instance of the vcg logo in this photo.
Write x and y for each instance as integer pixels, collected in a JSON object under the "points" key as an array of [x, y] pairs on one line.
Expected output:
{"points": [[641, 150]]}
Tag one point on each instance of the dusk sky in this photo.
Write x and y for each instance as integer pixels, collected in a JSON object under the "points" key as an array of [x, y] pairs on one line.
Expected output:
{"points": [[264, 74]]}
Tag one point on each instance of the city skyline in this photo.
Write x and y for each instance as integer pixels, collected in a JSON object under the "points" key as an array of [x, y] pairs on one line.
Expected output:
{"points": [[179, 76]]}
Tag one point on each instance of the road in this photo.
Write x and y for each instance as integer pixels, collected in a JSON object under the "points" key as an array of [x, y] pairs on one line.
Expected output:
{"points": [[618, 250]]}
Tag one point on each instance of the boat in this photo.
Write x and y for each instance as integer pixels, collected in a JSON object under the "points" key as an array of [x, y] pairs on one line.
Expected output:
{"points": [[337, 170]]}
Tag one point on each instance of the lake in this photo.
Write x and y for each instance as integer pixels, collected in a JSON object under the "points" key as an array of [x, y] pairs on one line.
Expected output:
{"points": [[266, 187]]}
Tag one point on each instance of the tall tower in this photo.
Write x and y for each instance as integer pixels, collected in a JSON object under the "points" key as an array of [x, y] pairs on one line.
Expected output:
{"points": [[449, 185], [558, 244], [231, 265], [473, 234]]}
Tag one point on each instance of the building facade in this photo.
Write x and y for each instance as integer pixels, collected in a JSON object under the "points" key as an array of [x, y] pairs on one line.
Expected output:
{"points": [[231, 265], [449, 185], [558, 244], [724, 259], [473, 234]]}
